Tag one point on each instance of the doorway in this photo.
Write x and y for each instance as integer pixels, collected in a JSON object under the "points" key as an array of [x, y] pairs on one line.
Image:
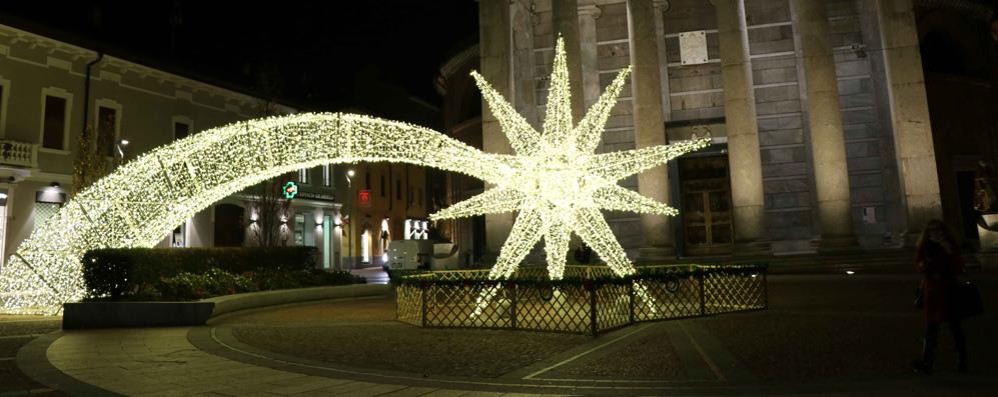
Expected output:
{"points": [[968, 215], [229, 230], [705, 188]]}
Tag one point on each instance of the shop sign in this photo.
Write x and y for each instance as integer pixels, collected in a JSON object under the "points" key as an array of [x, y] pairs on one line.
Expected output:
{"points": [[364, 198]]}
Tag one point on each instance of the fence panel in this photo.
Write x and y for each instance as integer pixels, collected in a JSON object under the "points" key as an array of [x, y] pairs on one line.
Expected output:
{"points": [[408, 303], [588, 301], [731, 292], [457, 305], [544, 307], [613, 306], [676, 297]]}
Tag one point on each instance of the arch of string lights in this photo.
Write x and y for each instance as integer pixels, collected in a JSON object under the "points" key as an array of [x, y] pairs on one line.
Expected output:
{"points": [[554, 180]]}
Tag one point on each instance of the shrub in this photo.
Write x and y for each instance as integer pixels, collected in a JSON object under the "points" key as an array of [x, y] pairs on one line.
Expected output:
{"points": [[138, 273], [215, 282]]}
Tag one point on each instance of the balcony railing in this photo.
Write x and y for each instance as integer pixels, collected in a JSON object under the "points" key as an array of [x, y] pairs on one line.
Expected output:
{"points": [[20, 154]]}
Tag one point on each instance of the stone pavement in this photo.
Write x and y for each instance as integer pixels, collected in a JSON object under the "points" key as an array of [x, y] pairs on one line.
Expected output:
{"points": [[211, 361]]}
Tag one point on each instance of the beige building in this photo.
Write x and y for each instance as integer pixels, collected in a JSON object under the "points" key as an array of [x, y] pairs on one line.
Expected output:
{"points": [[51, 90], [382, 202]]}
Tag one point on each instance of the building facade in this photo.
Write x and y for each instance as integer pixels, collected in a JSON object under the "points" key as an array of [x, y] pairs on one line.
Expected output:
{"points": [[51, 91], [818, 110], [382, 202]]}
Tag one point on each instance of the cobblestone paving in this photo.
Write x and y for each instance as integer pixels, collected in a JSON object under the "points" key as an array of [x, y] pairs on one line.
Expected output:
{"points": [[830, 335], [364, 333], [15, 332], [818, 328]]}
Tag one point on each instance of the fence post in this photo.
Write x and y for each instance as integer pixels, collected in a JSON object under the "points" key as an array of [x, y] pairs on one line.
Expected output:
{"points": [[765, 290], [630, 295], [422, 297], [511, 290], [703, 305], [592, 310]]}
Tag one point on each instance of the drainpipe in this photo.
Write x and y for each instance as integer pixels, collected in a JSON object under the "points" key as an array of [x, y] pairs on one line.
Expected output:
{"points": [[86, 91]]}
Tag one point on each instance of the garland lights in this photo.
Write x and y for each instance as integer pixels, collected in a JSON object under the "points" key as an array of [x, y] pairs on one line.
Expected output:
{"points": [[558, 184], [554, 180]]}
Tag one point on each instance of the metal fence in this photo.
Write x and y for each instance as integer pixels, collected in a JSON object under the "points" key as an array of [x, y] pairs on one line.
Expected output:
{"points": [[589, 300]]}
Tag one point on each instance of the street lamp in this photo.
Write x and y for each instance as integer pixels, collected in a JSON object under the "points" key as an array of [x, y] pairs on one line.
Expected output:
{"points": [[120, 146], [349, 222]]}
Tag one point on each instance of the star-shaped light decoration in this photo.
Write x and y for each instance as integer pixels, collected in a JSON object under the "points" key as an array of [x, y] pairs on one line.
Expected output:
{"points": [[559, 184]]}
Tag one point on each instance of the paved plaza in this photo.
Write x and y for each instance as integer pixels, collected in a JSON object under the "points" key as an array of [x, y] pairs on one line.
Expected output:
{"points": [[824, 334]]}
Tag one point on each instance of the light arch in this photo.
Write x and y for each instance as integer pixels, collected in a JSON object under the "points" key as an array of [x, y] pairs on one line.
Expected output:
{"points": [[145, 199]]}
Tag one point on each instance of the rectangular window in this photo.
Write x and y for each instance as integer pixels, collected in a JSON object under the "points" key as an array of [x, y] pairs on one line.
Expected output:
{"points": [[382, 186], [2, 104], [299, 229], [54, 123], [303, 176], [367, 179], [179, 237], [3, 217], [181, 130], [326, 181], [44, 211], [107, 121]]}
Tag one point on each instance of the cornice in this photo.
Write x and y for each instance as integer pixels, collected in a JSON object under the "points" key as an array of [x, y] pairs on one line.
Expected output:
{"points": [[72, 53], [976, 9]]}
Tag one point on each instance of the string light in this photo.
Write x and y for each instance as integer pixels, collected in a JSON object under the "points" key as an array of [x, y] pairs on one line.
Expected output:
{"points": [[144, 200], [554, 180], [557, 182]]}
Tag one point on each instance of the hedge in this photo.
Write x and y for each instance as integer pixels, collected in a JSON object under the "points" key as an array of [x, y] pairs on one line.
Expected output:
{"points": [[118, 273]]}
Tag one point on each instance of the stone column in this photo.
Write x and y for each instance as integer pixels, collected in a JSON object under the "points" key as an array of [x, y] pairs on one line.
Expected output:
{"points": [[909, 115], [522, 21], [649, 124], [831, 173], [565, 18], [744, 162], [494, 31], [661, 7], [588, 13]]}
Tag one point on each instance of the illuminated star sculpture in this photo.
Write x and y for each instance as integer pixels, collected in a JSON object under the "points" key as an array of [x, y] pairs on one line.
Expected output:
{"points": [[559, 184]]}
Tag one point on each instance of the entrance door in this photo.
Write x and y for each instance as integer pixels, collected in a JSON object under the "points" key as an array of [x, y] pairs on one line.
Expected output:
{"points": [[968, 215], [706, 200], [229, 225]]}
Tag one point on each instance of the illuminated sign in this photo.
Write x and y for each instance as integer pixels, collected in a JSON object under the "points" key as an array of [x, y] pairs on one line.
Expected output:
{"points": [[290, 190], [364, 198]]}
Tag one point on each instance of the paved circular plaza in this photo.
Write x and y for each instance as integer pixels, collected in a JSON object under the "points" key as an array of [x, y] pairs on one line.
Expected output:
{"points": [[832, 334]]}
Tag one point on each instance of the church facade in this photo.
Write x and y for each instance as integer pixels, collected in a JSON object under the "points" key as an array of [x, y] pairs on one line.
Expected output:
{"points": [[822, 133]]}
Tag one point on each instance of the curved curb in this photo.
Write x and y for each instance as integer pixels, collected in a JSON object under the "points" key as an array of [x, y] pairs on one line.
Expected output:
{"points": [[254, 300], [32, 359], [91, 315]]}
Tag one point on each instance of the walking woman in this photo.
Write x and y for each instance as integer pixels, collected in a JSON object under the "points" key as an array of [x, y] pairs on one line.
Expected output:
{"points": [[938, 259]]}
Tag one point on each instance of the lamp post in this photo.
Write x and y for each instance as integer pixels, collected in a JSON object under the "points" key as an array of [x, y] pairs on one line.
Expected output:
{"points": [[120, 147], [349, 222]]}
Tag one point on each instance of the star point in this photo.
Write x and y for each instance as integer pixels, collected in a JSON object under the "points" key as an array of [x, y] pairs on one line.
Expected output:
{"points": [[556, 181]]}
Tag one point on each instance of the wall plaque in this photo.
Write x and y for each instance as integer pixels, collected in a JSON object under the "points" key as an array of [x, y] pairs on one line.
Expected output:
{"points": [[693, 47]]}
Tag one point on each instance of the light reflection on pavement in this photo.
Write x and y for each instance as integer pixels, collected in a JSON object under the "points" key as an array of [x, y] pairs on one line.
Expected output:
{"points": [[374, 275]]}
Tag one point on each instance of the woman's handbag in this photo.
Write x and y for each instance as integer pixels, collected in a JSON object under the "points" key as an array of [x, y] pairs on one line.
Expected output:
{"points": [[966, 300]]}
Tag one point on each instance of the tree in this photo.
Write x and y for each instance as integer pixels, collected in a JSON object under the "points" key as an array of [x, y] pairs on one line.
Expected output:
{"points": [[271, 214], [89, 165], [272, 208]]}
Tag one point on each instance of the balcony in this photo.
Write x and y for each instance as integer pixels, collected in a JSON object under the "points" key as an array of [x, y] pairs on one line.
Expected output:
{"points": [[18, 154]]}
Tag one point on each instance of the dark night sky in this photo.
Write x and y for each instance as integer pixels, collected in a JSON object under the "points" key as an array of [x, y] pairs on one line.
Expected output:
{"points": [[312, 48]]}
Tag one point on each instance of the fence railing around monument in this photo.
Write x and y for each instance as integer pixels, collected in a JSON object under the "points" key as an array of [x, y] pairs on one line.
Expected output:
{"points": [[588, 300]]}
